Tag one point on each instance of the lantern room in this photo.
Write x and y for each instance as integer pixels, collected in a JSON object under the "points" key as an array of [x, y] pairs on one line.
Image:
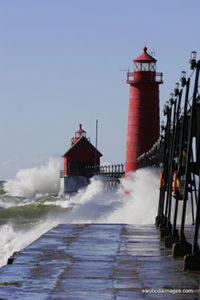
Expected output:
{"points": [[78, 134], [145, 62], [144, 69]]}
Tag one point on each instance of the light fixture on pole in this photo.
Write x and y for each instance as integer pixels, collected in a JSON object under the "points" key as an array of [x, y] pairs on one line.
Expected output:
{"points": [[176, 89], [183, 78], [193, 60]]}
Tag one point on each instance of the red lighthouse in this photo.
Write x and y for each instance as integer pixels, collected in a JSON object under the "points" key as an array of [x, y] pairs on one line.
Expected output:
{"points": [[143, 116], [77, 158], [81, 154]]}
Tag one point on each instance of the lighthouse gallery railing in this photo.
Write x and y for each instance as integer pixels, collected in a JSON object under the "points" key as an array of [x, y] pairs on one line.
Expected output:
{"points": [[151, 76]]}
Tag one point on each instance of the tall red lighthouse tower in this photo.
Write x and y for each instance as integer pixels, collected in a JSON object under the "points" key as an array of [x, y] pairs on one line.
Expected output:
{"points": [[143, 116]]}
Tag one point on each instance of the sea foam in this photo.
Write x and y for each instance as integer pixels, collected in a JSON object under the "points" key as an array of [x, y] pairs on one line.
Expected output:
{"points": [[93, 204], [33, 181]]}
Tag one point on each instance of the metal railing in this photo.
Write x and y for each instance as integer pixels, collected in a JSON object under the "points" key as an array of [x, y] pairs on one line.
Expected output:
{"points": [[149, 76], [110, 174], [178, 154], [62, 173], [114, 171]]}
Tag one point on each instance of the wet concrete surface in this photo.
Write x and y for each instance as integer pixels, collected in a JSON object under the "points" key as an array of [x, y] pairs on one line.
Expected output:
{"points": [[98, 261]]}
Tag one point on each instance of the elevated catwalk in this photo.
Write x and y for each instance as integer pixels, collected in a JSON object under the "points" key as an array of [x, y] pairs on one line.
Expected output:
{"points": [[97, 261]]}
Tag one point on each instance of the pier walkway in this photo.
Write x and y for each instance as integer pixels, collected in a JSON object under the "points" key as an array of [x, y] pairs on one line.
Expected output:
{"points": [[98, 261]]}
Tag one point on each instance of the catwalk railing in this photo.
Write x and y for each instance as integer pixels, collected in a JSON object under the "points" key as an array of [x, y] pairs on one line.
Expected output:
{"points": [[150, 76], [110, 174], [177, 152]]}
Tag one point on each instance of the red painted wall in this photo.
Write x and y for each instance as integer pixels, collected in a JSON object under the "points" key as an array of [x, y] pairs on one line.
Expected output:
{"points": [[83, 152], [143, 121], [65, 165], [80, 155]]}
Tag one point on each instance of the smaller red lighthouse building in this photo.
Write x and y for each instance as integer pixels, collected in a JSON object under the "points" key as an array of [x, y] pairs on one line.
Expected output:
{"points": [[143, 116], [81, 155]]}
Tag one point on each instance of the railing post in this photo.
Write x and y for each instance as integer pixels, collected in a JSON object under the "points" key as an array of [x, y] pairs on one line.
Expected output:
{"points": [[183, 247]]}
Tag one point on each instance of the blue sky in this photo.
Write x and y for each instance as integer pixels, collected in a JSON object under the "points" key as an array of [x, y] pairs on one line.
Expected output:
{"points": [[60, 63]]}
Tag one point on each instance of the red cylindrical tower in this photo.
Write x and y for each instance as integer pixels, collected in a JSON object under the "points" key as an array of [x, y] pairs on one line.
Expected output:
{"points": [[143, 117]]}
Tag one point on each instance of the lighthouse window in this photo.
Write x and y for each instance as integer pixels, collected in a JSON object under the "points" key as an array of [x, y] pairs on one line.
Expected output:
{"points": [[145, 67], [77, 134], [152, 67], [137, 66]]}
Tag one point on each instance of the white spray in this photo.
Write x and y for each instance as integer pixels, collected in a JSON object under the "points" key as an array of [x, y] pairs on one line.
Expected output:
{"points": [[29, 182], [12, 241], [93, 204]]}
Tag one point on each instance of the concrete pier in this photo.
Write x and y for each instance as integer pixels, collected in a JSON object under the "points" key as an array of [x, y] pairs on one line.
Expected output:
{"points": [[98, 261]]}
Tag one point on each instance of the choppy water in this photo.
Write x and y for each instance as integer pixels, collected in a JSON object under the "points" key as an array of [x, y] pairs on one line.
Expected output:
{"points": [[23, 218]]}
